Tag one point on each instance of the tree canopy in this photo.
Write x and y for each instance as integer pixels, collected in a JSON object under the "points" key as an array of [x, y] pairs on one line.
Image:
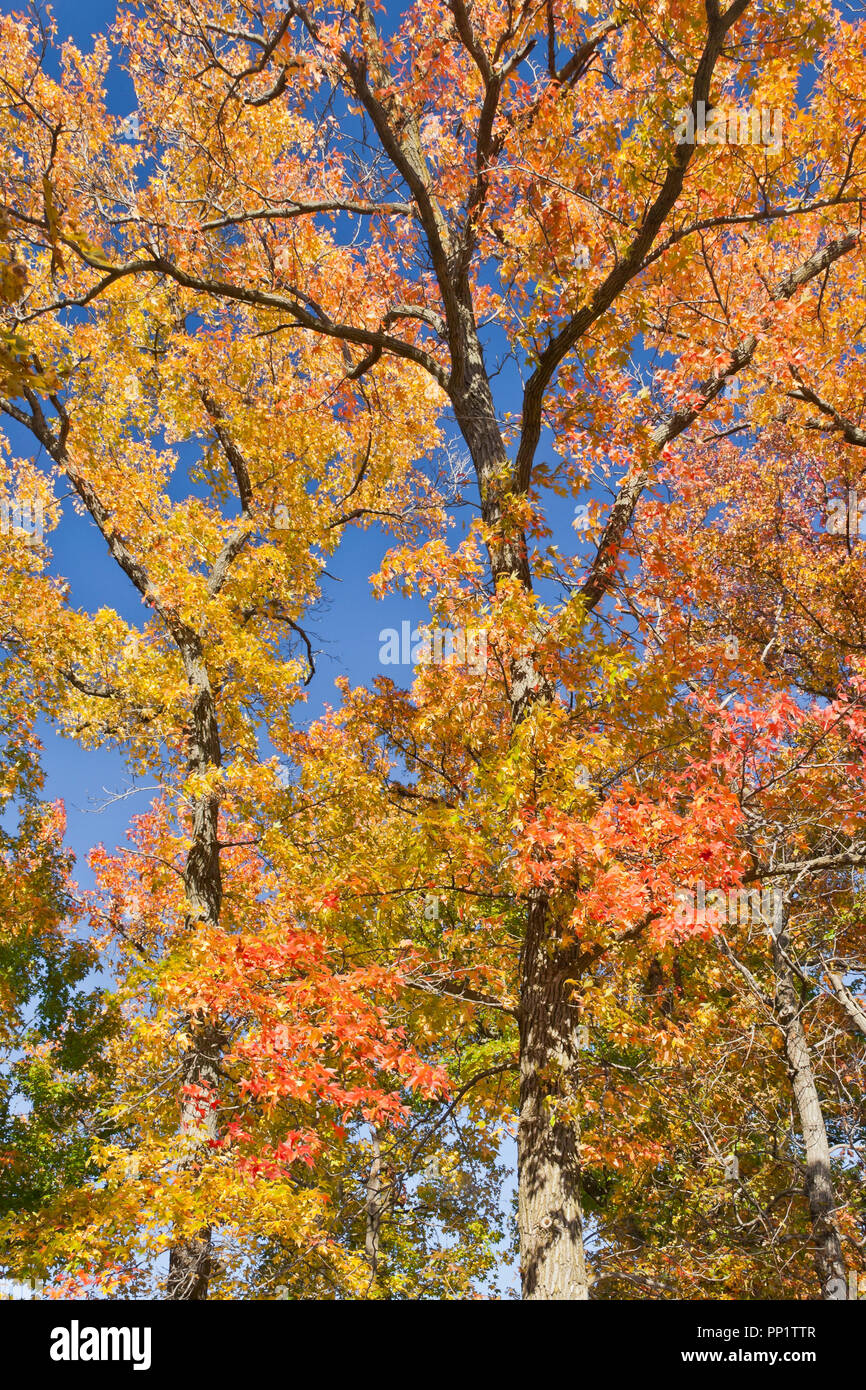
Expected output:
{"points": [[552, 313]]}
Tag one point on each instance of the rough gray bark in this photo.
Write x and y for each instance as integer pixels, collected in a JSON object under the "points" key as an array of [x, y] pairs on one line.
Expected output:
{"points": [[552, 1258], [856, 1014], [375, 1206], [820, 1194]]}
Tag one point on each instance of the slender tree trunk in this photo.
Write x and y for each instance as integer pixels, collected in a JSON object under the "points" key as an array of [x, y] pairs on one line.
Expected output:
{"points": [[375, 1206], [819, 1182], [191, 1258], [856, 1014]]}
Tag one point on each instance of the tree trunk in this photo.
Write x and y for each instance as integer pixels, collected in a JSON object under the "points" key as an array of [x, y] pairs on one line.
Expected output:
{"points": [[190, 1260], [552, 1260], [553, 1263], [819, 1182], [375, 1206]]}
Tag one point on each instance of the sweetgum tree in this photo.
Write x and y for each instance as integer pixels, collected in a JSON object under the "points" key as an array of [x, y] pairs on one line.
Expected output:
{"points": [[491, 215]]}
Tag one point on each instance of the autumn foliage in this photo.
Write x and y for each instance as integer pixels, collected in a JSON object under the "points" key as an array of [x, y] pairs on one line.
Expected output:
{"points": [[442, 285]]}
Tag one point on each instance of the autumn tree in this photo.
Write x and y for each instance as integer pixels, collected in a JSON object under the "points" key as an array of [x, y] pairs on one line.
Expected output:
{"points": [[224, 559], [478, 213]]}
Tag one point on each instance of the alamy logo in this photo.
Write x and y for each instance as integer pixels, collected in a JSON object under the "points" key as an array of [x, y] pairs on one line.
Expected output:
{"points": [[129, 128], [433, 646], [587, 516], [22, 518], [747, 126], [846, 518], [719, 907], [20, 1288], [74, 1343]]}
